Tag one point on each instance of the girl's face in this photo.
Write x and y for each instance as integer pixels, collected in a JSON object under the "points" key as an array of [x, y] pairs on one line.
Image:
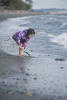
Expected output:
{"points": [[30, 36]]}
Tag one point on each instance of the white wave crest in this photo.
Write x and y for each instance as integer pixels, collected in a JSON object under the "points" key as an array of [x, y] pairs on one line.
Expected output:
{"points": [[42, 33], [17, 27], [60, 39], [64, 25]]}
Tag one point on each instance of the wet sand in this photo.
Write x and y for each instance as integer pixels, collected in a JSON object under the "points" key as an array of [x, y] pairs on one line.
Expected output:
{"points": [[28, 79], [42, 77]]}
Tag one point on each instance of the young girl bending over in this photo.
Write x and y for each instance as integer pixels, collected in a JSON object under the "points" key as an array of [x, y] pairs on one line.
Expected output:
{"points": [[22, 38]]}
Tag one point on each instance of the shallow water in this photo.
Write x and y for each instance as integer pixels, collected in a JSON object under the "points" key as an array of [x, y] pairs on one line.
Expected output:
{"points": [[40, 72]]}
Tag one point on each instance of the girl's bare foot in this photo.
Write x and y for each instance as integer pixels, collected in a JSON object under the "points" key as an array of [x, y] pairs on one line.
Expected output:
{"points": [[22, 55]]}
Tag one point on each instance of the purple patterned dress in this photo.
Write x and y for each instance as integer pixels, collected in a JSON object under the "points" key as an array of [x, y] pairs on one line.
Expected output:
{"points": [[21, 38]]}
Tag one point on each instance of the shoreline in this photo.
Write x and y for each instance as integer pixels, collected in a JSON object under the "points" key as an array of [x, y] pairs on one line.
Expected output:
{"points": [[4, 14], [12, 14]]}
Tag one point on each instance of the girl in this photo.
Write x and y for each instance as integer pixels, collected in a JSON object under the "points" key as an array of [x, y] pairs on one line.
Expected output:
{"points": [[22, 38]]}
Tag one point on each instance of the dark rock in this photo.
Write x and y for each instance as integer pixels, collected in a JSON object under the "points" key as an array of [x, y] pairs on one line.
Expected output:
{"points": [[48, 55], [27, 74], [60, 59], [66, 86], [31, 50], [25, 80], [60, 97], [21, 92], [3, 82], [18, 79], [61, 67], [35, 78]]}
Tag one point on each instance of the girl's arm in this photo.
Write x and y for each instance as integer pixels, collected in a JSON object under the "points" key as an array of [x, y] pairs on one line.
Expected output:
{"points": [[25, 44]]}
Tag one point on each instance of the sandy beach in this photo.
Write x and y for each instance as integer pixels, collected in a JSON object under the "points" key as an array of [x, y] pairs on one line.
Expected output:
{"points": [[41, 76], [20, 78]]}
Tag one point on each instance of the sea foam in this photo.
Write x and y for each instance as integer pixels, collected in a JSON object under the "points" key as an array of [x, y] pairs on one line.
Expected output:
{"points": [[59, 39]]}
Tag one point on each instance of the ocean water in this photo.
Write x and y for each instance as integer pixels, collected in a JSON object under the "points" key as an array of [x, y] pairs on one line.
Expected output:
{"points": [[50, 38]]}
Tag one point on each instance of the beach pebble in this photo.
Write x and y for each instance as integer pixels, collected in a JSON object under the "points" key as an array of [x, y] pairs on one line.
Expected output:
{"points": [[28, 69], [66, 86], [3, 82], [29, 94], [0, 47], [9, 92], [31, 50], [35, 78], [48, 55], [21, 92], [18, 79], [60, 97], [61, 67], [27, 74], [60, 59], [25, 80]]}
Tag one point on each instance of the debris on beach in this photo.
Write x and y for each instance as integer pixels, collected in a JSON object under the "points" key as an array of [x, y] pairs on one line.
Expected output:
{"points": [[9, 92], [66, 86], [27, 74], [48, 55], [29, 94], [60, 59], [28, 69], [25, 80], [60, 97], [61, 67], [0, 47], [18, 79], [31, 50], [21, 92], [35, 78], [7, 39]]}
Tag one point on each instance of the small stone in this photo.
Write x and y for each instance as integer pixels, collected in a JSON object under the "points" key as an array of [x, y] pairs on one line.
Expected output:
{"points": [[35, 78], [21, 92], [5, 85], [61, 67], [25, 80], [31, 50], [59, 59], [60, 97], [66, 86], [29, 94], [28, 69], [27, 74], [3, 82], [9, 92], [17, 78], [27, 89]]}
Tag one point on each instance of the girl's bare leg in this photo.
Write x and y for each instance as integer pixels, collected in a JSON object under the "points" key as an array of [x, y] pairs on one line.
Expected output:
{"points": [[21, 51]]}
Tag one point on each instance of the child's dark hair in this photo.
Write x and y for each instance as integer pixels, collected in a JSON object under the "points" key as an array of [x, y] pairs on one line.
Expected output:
{"points": [[30, 31]]}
